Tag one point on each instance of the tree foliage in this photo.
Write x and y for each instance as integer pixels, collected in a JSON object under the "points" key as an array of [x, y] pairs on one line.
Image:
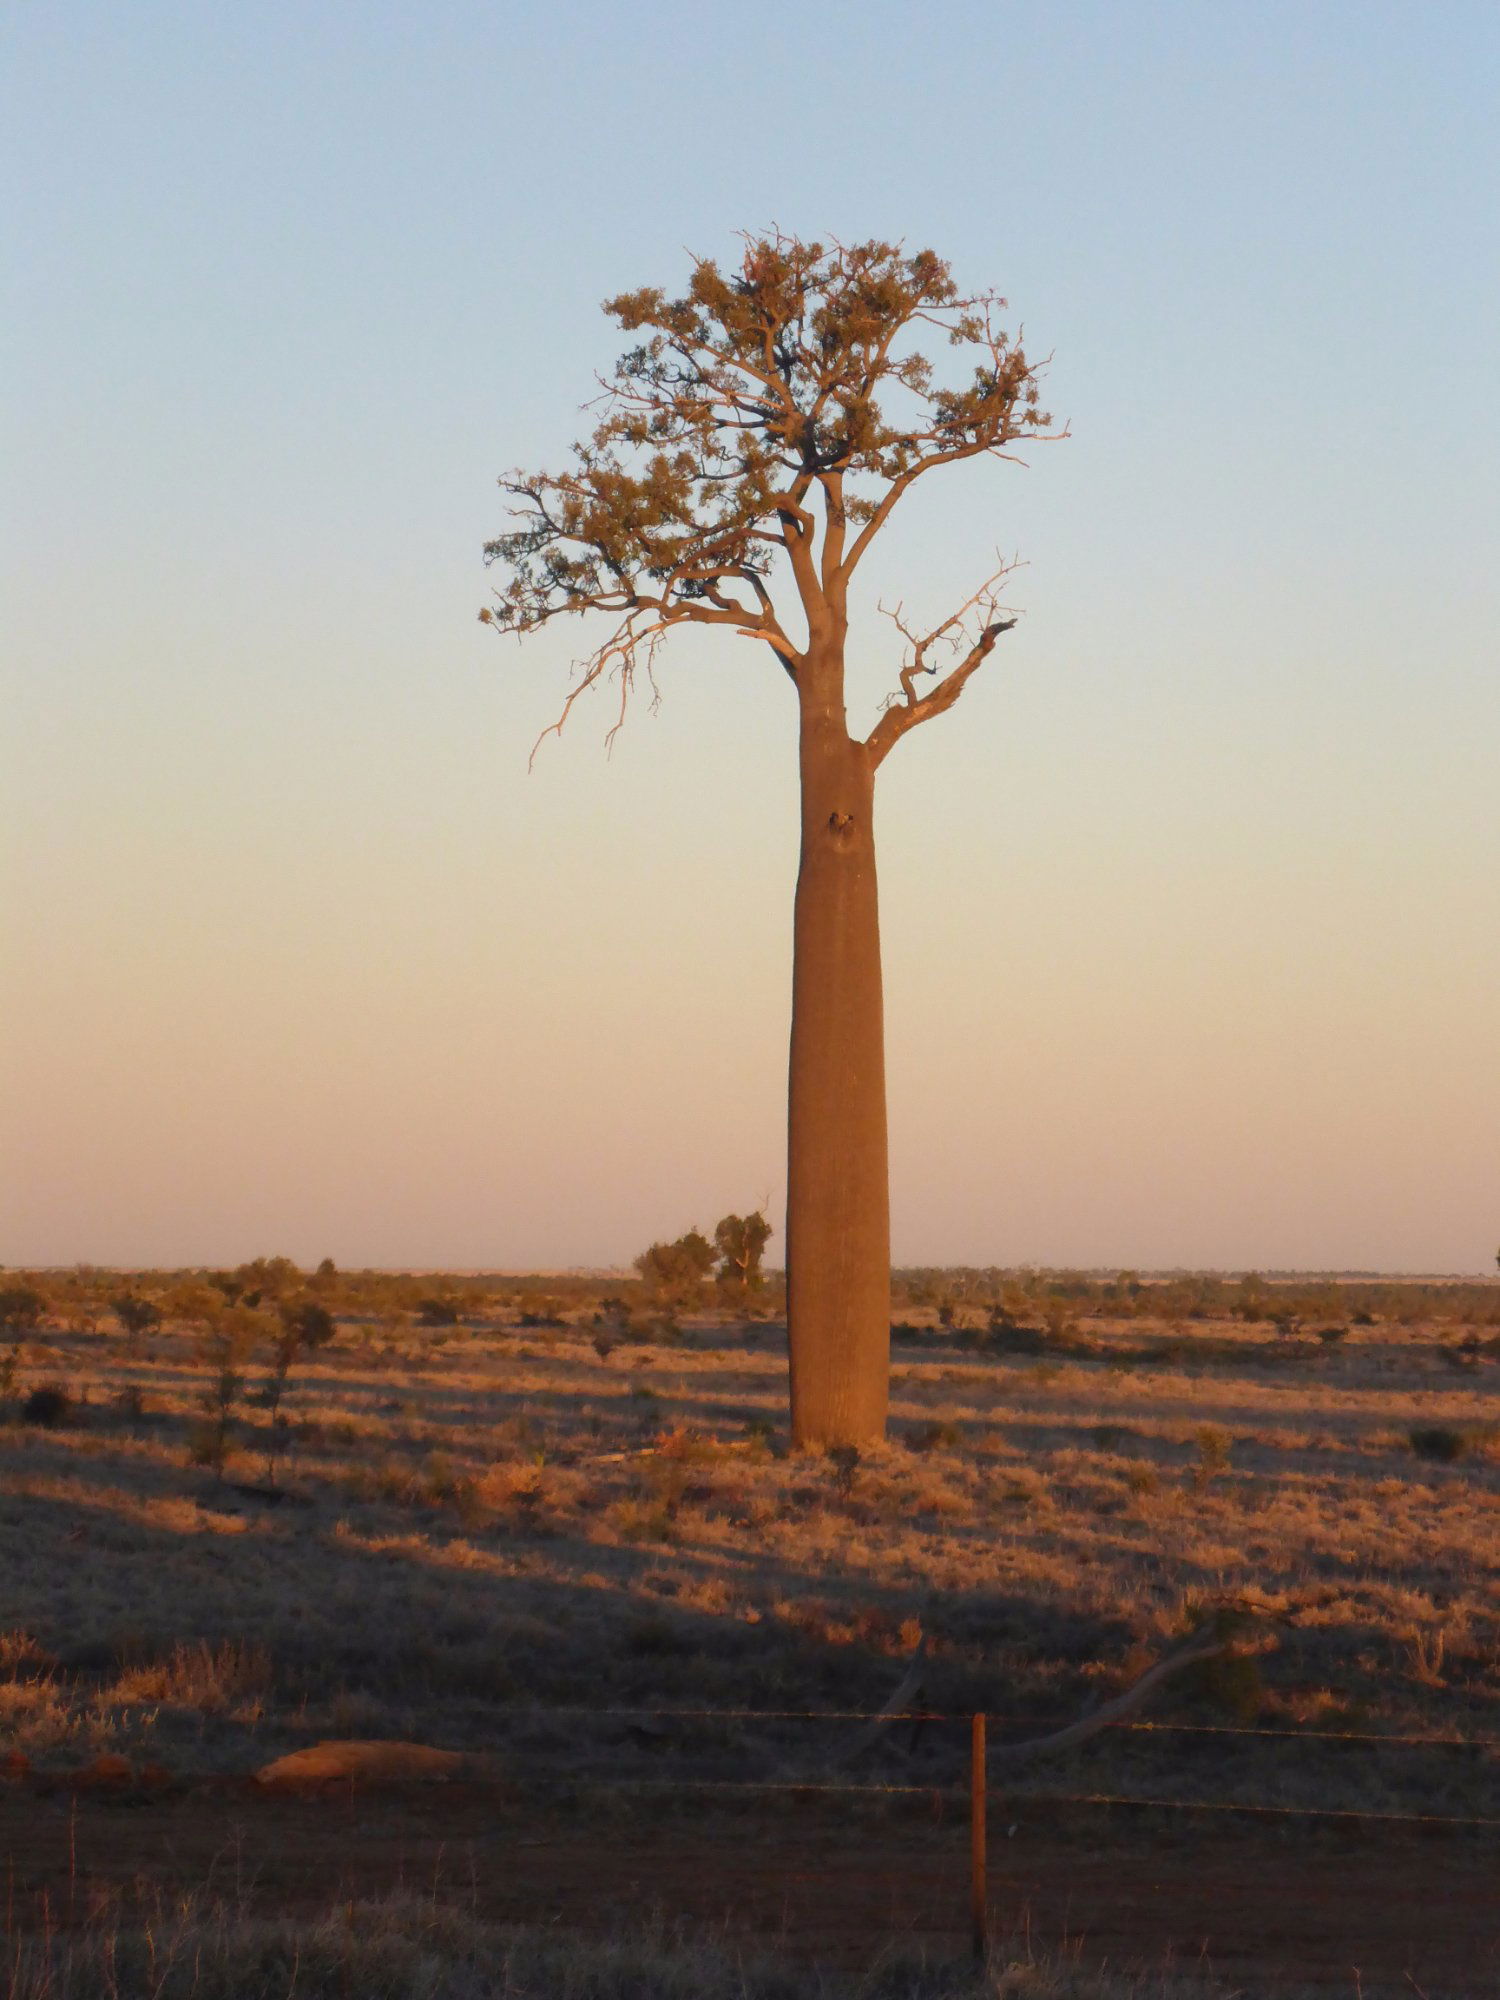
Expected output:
{"points": [[741, 1243], [306, 1324], [673, 1273], [136, 1314], [21, 1309], [768, 420]]}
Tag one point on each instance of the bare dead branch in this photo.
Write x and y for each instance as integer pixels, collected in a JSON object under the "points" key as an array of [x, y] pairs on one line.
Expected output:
{"points": [[629, 648], [976, 626], [1202, 1646], [1214, 1642], [891, 1711]]}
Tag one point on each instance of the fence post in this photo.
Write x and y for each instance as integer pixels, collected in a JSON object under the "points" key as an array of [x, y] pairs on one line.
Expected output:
{"points": [[979, 1900]]}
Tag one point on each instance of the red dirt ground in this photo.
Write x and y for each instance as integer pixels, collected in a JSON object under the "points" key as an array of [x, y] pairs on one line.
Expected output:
{"points": [[1409, 1907]]}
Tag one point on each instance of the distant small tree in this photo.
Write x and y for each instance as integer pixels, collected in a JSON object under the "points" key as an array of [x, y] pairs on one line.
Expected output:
{"points": [[308, 1323], [305, 1325], [673, 1273], [741, 1243], [136, 1314], [196, 1304], [227, 1346], [21, 1309], [264, 1280]]}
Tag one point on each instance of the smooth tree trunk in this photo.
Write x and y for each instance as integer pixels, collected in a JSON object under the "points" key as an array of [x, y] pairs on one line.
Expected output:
{"points": [[838, 1197]]}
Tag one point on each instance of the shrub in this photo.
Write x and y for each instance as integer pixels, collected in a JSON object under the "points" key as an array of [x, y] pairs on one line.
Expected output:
{"points": [[844, 1459], [135, 1314], [49, 1405], [933, 1436], [537, 1309], [1440, 1442], [326, 1278], [308, 1324], [615, 1320], [1213, 1454], [1006, 1335], [193, 1304], [130, 1403], [1061, 1322], [226, 1349], [305, 1325], [441, 1484], [266, 1279], [673, 1273], [21, 1309]]}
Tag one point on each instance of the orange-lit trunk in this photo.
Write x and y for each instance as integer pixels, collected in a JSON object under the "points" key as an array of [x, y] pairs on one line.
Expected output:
{"points": [[838, 1199]]}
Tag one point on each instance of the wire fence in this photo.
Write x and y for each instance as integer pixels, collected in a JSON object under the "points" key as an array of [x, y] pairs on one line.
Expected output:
{"points": [[958, 1792], [815, 1787], [963, 1716]]}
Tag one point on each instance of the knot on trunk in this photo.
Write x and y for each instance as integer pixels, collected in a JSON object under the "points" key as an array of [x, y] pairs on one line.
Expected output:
{"points": [[839, 824]]}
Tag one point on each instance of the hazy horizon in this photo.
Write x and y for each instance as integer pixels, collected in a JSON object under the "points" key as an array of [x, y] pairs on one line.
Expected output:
{"points": [[1189, 911], [1097, 1273]]}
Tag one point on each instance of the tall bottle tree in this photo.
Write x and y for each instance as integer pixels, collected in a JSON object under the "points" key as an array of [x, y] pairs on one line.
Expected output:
{"points": [[750, 447]]}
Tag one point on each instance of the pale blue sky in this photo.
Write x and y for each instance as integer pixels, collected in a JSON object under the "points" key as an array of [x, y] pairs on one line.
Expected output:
{"points": [[1190, 910]]}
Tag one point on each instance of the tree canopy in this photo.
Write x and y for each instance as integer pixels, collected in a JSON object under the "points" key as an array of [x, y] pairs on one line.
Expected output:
{"points": [[774, 416]]}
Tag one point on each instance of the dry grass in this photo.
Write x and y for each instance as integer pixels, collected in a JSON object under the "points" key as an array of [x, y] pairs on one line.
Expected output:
{"points": [[421, 1950], [489, 1524]]}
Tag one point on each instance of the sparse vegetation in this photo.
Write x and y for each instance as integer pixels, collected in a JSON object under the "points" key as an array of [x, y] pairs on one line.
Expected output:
{"points": [[461, 1522], [494, 1541]]}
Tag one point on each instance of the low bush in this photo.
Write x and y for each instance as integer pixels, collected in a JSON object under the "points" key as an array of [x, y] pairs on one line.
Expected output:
{"points": [[1439, 1442], [21, 1309], [49, 1406], [934, 1436], [135, 1314]]}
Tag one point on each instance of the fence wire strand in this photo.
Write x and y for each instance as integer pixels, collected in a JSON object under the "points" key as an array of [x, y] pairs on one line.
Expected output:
{"points": [[956, 1793], [1011, 1721]]}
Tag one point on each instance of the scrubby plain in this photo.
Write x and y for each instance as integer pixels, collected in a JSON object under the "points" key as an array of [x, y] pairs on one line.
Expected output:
{"points": [[490, 1531]]}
